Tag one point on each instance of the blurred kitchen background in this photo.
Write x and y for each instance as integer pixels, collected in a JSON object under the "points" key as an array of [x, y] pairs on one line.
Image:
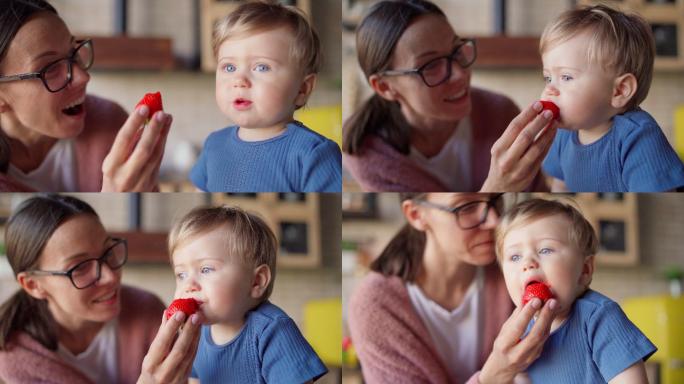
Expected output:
{"points": [[165, 45], [639, 264], [307, 285], [508, 60]]}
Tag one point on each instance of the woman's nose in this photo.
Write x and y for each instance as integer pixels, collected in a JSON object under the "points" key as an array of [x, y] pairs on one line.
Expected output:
{"points": [[107, 274], [79, 76], [457, 72], [492, 219]]}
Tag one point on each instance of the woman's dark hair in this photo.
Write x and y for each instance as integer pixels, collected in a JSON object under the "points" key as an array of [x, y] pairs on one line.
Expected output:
{"points": [[376, 38], [403, 255], [26, 233], [13, 15]]}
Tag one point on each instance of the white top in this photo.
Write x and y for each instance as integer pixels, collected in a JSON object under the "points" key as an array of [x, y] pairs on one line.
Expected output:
{"points": [[452, 164], [99, 361], [57, 172], [456, 334]]}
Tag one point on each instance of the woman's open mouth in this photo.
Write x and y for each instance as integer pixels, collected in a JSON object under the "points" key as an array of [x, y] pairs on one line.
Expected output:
{"points": [[75, 108]]}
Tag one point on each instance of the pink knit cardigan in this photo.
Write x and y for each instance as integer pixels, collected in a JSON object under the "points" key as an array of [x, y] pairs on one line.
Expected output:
{"points": [[392, 342], [28, 361], [378, 167], [103, 120]]}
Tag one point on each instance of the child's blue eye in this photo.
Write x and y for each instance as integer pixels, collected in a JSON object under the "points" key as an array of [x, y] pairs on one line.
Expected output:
{"points": [[547, 79], [545, 251], [181, 275], [229, 68], [515, 258], [262, 68], [566, 77], [205, 270]]}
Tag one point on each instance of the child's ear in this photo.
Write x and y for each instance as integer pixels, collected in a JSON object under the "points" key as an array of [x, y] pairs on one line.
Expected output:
{"points": [[587, 272], [414, 215], [305, 90], [624, 87], [382, 87], [31, 286], [262, 277]]}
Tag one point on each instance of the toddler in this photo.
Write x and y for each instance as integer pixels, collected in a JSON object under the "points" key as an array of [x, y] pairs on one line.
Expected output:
{"points": [[591, 340], [268, 57], [598, 65], [225, 259]]}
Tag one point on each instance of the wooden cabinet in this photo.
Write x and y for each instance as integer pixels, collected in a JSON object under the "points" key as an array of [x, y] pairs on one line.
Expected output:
{"points": [[666, 18], [293, 217], [615, 219]]}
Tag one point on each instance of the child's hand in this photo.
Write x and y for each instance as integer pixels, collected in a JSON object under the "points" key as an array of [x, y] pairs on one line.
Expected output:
{"points": [[510, 355], [170, 358]]}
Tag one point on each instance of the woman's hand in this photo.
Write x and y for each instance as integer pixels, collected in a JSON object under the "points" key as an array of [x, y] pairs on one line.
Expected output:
{"points": [[510, 355], [169, 359], [516, 155], [133, 162]]}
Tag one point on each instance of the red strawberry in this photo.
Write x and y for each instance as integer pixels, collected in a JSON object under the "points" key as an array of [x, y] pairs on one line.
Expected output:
{"points": [[551, 107], [188, 306], [153, 102], [537, 289]]}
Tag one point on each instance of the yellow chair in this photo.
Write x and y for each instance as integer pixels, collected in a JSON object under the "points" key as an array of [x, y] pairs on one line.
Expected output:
{"points": [[326, 120], [323, 329], [679, 131]]}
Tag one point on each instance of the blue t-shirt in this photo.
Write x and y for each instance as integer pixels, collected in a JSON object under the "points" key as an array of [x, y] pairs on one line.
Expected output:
{"points": [[298, 160], [268, 349], [634, 156], [593, 345]]}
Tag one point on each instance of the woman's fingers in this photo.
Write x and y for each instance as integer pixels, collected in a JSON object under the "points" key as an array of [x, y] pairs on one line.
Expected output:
{"points": [[517, 125], [126, 135], [527, 136], [537, 151], [162, 342], [145, 147], [519, 321], [147, 178], [184, 347], [542, 327]]}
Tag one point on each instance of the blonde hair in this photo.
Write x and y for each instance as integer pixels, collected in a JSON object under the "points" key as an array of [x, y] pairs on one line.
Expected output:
{"points": [[621, 42], [247, 236], [264, 15], [580, 231]]}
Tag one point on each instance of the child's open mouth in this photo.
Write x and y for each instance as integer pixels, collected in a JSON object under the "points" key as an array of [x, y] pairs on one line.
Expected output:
{"points": [[242, 104]]}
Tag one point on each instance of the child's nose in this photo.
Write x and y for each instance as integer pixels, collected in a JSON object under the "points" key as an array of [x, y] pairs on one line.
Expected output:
{"points": [[551, 90], [241, 81], [191, 285], [530, 263]]}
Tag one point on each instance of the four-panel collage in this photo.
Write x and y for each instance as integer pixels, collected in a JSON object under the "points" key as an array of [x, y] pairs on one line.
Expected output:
{"points": [[341, 191]]}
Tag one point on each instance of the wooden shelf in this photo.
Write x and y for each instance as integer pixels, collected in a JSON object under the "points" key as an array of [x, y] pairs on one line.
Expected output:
{"points": [[145, 247], [503, 52], [136, 53]]}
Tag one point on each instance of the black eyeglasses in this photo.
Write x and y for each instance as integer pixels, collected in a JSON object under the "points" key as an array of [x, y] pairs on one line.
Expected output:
{"points": [[472, 214], [57, 75], [437, 71], [88, 272]]}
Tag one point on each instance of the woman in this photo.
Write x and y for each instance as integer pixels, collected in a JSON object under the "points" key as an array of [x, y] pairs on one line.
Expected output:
{"points": [[72, 321], [434, 308], [425, 128], [53, 136]]}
